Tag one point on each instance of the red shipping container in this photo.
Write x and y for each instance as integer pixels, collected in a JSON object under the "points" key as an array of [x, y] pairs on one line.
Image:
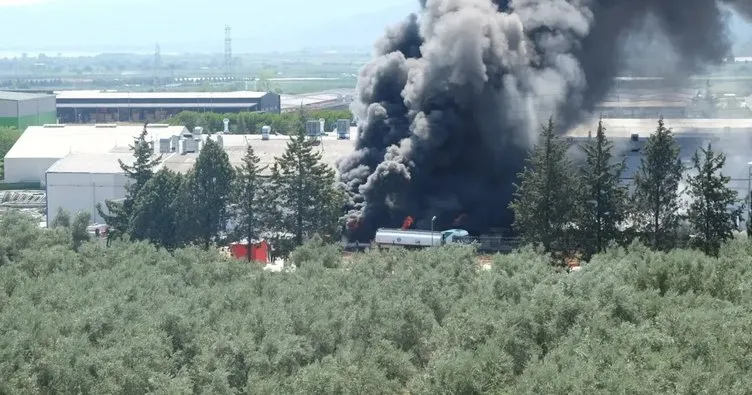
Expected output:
{"points": [[259, 251]]}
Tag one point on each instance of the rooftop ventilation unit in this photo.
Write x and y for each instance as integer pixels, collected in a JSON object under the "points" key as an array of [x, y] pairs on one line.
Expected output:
{"points": [[53, 125], [158, 125], [343, 129], [105, 125], [164, 146], [635, 141]]}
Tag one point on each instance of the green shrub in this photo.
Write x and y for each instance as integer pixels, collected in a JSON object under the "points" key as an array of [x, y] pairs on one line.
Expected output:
{"points": [[134, 319]]}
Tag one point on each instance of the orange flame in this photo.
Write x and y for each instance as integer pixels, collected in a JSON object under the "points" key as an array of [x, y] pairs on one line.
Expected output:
{"points": [[407, 223]]}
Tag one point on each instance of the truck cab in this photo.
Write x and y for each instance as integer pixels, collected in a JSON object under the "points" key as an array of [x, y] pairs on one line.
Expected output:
{"points": [[449, 236]]}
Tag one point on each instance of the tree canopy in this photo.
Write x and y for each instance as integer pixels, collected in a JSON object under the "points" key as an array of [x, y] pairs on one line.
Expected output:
{"points": [[250, 207], [252, 122], [656, 194], [603, 197], [134, 320], [715, 208], [302, 193], [545, 198]]}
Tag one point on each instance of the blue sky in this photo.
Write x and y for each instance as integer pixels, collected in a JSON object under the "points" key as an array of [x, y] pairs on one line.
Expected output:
{"points": [[198, 25], [193, 24]]}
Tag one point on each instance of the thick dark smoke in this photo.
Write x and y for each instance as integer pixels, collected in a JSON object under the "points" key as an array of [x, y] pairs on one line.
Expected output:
{"points": [[456, 95]]}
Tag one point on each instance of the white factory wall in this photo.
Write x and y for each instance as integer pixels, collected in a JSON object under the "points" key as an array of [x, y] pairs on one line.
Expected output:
{"points": [[75, 192], [27, 169]]}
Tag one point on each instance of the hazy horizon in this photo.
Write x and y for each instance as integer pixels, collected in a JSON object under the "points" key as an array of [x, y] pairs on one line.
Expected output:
{"points": [[91, 27], [94, 26]]}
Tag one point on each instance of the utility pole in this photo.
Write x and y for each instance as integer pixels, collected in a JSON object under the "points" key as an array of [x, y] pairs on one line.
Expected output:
{"points": [[228, 52]]}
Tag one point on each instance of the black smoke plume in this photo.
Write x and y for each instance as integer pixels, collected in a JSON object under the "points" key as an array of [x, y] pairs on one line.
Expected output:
{"points": [[456, 95]]}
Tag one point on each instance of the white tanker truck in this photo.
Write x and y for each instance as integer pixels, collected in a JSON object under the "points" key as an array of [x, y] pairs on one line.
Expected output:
{"points": [[417, 238]]}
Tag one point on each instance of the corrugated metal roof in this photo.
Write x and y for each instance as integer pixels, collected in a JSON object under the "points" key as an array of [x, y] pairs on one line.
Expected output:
{"points": [[61, 140], [21, 96], [624, 127], [94, 95], [642, 103]]}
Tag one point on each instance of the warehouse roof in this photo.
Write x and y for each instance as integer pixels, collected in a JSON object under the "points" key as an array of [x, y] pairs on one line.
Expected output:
{"points": [[106, 159], [58, 141], [98, 95], [235, 145], [106, 163], [21, 96], [624, 127], [643, 104]]}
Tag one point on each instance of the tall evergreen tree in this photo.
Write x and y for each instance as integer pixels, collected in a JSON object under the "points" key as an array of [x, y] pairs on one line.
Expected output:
{"points": [[153, 216], [603, 199], [248, 196], [303, 194], [712, 212], [544, 202], [209, 192], [118, 213], [656, 194], [183, 206]]}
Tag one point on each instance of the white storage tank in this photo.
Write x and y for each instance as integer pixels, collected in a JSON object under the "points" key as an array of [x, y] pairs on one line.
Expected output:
{"points": [[265, 131]]}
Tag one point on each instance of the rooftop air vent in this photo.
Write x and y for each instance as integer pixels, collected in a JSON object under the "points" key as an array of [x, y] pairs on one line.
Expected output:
{"points": [[53, 125], [635, 138], [158, 125], [105, 125]]}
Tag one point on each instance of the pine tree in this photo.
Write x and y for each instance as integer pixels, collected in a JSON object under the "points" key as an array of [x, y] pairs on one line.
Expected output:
{"points": [[248, 196], [603, 199], [209, 192], [118, 213], [153, 217], [302, 191], [712, 213], [656, 194], [183, 206], [544, 200]]}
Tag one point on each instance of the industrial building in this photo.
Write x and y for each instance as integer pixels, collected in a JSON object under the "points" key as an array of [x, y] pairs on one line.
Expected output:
{"points": [[107, 106], [39, 147], [20, 110], [78, 164], [733, 137]]}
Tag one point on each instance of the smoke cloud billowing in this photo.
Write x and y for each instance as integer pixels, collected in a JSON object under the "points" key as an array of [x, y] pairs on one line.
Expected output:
{"points": [[457, 93]]}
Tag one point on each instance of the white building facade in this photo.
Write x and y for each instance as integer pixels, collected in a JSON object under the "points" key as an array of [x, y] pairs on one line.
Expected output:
{"points": [[78, 183]]}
